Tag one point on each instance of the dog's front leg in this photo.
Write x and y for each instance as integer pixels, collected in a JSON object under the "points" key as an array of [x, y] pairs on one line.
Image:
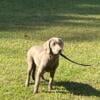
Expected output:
{"points": [[37, 79], [51, 80]]}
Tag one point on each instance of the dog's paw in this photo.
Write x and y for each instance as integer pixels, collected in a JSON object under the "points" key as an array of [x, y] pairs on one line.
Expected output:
{"points": [[35, 92]]}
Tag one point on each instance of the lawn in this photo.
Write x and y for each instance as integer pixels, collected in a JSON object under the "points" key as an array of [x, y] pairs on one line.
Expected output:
{"points": [[24, 23]]}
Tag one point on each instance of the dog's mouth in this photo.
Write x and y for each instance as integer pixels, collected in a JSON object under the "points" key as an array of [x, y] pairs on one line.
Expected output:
{"points": [[60, 51]]}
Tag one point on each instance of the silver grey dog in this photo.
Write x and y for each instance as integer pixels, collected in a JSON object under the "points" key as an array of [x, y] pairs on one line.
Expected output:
{"points": [[44, 58]]}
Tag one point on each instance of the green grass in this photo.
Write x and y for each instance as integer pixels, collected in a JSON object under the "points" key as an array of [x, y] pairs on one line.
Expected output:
{"points": [[24, 23]]}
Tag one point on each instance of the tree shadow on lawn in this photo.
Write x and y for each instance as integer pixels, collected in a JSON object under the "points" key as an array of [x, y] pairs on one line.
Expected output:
{"points": [[48, 13], [78, 88], [34, 15]]}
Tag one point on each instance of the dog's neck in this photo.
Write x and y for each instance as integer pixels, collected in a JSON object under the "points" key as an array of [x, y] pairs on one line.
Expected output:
{"points": [[54, 55]]}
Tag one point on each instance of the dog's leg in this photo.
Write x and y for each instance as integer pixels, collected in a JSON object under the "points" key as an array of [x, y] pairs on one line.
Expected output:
{"points": [[37, 80], [29, 71], [43, 79], [51, 80], [33, 71]]}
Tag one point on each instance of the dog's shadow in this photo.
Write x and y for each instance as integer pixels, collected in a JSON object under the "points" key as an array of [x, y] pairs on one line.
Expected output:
{"points": [[74, 88], [78, 88]]}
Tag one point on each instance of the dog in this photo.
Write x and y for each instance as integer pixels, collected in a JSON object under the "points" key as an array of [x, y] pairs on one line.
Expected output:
{"points": [[43, 58]]}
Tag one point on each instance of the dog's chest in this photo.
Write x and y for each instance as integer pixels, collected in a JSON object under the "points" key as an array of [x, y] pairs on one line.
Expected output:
{"points": [[52, 63]]}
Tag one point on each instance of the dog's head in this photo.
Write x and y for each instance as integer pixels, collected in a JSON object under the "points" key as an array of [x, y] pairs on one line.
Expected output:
{"points": [[54, 45]]}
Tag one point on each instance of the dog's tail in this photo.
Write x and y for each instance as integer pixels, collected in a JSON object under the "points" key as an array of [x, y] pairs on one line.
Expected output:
{"points": [[74, 61]]}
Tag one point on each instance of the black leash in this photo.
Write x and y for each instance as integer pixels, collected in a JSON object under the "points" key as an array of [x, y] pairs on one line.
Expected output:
{"points": [[73, 61]]}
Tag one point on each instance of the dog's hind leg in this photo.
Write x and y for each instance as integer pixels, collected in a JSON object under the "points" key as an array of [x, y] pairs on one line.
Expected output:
{"points": [[33, 70], [29, 70], [46, 80]]}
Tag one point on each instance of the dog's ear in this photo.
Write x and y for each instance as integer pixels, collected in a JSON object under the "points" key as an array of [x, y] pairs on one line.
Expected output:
{"points": [[62, 43], [46, 46]]}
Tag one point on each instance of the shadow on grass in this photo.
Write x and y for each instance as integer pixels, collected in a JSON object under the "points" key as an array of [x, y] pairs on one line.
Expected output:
{"points": [[73, 88], [78, 88], [48, 13]]}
